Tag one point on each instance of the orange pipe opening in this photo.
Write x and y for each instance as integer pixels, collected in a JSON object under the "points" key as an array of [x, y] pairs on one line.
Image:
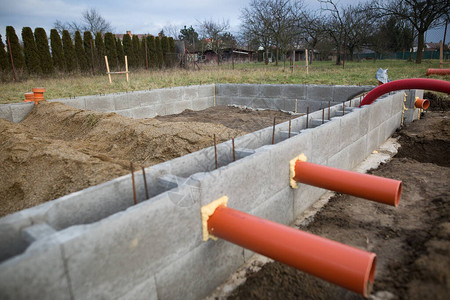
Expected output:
{"points": [[438, 72], [349, 267], [422, 103], [29, 97], [365, 186]]}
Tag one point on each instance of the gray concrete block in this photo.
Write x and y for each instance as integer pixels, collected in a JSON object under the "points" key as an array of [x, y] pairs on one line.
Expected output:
{"points": [[372, 140], [170, 95], [19, 111], [241, 153], [79, 102], [349, 129], [126, 100], [38, 231], [249, 90], [170, 181], [205, 91], [244, 182], [340, 160], [271, 90], [190, 93], [143, 291], [265, 103], [357, 152], [152, 97], [319, 92], [95, 203], [293, 92], [178, 107], [284, 153], [38, 273], [231, 90], [364, 114], [11, 242], [129, 113], [5, 112], [202, 103], [110, 256], [226, 100], [278, 208], [150, 111], [305, 196], [104, 103], [376, 115], [326, 140], [197, 273], [397, 104]]}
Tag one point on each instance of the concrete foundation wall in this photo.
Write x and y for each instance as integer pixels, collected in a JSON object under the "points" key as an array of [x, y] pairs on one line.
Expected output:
{"points": [[95, 244]]}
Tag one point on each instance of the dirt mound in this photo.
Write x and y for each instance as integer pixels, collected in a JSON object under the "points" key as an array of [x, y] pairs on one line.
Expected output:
{"points": [[412, 241], [438, 102], [57, 150]]}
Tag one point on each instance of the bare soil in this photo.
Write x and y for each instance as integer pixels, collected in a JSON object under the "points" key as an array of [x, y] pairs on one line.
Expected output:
{"points": [[412, 241], [58, 149]]}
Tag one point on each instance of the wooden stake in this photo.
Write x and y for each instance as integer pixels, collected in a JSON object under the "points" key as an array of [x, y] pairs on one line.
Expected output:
{"points": [[132, 180], [234, 153], [107, 69], [12, 61], [126, 67]]}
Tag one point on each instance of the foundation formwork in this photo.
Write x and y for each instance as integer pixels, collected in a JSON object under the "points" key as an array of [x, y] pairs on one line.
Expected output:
{"points": [[95, 244]]}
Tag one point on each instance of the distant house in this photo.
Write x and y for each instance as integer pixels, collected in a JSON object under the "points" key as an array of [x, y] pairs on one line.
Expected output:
{"points": [[140, 36]]}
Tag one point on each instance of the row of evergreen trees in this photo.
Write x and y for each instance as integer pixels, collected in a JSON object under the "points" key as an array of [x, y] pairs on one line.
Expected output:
{"points": [[83, 54]]}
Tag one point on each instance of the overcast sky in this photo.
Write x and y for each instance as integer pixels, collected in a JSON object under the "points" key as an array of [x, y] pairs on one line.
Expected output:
{"points": [[139, 16]]}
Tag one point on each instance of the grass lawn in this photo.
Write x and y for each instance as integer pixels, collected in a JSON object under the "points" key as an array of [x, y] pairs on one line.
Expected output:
{"points": [[325, 72]]}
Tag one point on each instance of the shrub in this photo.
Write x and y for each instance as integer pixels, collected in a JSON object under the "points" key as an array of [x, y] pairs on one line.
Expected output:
{"points": [[4, 59], [69, 52], [44, 51], [128, 49], [110, 50], [100, 51], [30, 51], [57, 50], [159, 53], [120, 54], [89, 48], [16, 50], [80, 53]]}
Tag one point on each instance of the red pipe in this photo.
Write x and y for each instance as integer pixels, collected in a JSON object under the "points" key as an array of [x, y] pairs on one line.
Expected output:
{"points": [[365, 186], [438, 72], [407, 84], [349, 267]]}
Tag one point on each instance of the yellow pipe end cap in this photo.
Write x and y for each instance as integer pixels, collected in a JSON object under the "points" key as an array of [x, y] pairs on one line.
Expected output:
{"points": [[207, 211], [292, 182]]}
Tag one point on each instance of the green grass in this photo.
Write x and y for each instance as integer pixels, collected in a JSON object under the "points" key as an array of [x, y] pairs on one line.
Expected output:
{"points": [[362, 73]]}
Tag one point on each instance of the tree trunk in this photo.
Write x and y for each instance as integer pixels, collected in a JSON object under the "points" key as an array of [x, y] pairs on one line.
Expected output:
{"points": [[276, 57], [351, 51], [420, 45], [266, 59]]}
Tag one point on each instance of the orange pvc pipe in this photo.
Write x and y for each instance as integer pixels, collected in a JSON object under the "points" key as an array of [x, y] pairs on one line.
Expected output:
{"points": [[422, 103], [365, 186], [29, 97], [349, 267], [438, 72], [38, 94]]}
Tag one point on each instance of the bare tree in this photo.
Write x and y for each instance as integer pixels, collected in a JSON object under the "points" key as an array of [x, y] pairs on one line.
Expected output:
{"points": [[171, 30], [91, 20], [255, 21], [423, 15], [334, 25], [214, 31], [273, 23]]}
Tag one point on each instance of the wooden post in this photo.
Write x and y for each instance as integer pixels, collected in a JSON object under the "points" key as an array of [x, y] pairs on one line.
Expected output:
{"points": [[126, 67], [107, 69], [306, 58]]}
